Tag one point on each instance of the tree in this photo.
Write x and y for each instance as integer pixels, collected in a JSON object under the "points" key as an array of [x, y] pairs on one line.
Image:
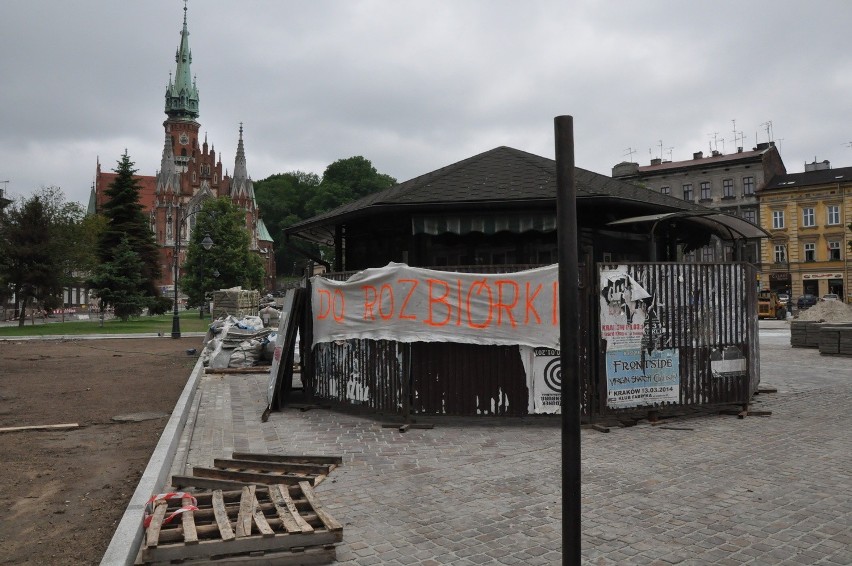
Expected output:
{"points": [[282, 200], [347, 180], [124, 218], [118, 283], [287, 198], [32, 247], [229, 262]]}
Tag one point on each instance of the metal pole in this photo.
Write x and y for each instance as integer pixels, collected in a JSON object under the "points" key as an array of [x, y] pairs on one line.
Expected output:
{"points": [[203, 295], [569, 323], [175, 315]]}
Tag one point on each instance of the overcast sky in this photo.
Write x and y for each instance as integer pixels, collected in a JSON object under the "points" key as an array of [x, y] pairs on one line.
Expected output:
{"points": [[417, 85]]}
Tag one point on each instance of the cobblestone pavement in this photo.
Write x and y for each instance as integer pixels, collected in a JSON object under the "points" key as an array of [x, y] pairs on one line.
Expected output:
{"points": [[704, 490]]}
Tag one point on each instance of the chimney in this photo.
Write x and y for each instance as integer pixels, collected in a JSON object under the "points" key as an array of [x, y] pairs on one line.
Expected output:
{"points": [[656, 161], [698, 155], [716, 153], [739, 149], [821, 166]]}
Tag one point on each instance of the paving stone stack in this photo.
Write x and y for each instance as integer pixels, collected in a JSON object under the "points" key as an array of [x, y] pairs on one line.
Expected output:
{"points": [[835, 339], [235, 302], [804, 334]]}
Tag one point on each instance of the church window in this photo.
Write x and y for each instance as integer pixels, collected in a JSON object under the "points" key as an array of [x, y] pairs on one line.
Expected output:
{"points": [[194, 177], [183, 152]]}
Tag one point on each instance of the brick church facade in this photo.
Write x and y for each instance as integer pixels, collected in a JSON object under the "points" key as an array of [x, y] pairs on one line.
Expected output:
{"points": [[190, 172]]}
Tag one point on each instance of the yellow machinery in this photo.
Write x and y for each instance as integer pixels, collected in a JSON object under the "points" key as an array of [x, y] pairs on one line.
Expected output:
{"points": [[770, 306]]}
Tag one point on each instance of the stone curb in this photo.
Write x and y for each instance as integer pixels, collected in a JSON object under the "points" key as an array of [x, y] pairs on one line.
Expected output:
{"points": [[126, 540]]}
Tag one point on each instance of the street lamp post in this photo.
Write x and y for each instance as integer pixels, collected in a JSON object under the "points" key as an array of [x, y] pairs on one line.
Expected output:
{"points": [[207, 243]]}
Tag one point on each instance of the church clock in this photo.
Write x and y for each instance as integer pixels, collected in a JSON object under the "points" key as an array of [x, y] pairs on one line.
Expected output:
{"points": [[184, 139]]}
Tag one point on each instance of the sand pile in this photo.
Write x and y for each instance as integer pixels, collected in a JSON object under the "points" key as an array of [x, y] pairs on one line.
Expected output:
{"points": [[828, 311]]}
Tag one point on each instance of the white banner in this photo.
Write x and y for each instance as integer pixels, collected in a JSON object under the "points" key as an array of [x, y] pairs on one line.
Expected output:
{"points": [[411, 304]]}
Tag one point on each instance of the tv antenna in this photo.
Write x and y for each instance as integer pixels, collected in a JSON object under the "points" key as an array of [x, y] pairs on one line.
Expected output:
{"points": [[629, 152], [715, 144], [768, 126], [669, 151]]}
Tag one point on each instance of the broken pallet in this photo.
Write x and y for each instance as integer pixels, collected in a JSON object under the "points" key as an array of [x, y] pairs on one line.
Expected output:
{"points": [[275, 524], [265, 469]]}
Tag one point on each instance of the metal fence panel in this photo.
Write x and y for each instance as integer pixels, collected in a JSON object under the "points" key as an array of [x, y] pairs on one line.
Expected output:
{"points": [[707, 313]]}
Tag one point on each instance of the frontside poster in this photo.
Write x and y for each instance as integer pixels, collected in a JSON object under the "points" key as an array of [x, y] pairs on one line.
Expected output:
{"points": [[636, 378]]}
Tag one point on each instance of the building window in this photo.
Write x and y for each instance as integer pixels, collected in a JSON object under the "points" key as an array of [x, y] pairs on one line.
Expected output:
{"points": [[666, 190], [705, 190], [780, 253], [810, 252], [707, 254], [777, 219], [687, 191], [833, 251], [728, 188], [808, 217], [833, 213], [748, 185], [750, 215]]}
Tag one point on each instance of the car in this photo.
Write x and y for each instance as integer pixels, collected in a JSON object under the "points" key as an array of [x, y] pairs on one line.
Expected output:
{"points": [[831, 297], [806, 301]]}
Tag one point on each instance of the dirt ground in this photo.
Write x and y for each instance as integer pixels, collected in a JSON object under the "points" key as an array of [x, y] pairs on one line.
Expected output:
{"points": [[65, 491]]}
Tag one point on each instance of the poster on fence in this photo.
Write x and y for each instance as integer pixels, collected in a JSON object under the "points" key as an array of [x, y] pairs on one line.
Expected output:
{"points": [[544, 379], [624, 306], [410, 304], [636, 378]]}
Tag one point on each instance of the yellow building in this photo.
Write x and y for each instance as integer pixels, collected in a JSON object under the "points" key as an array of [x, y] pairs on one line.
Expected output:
{"points": [[807, 215]]}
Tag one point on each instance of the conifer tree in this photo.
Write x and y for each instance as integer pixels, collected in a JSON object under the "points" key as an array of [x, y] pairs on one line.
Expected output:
{"points": [[125, 218], [118, 282]]}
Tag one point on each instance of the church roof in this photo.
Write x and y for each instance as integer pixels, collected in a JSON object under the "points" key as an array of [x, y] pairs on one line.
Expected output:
{"points": [[182, 94], [262, 232], [147, 189]]}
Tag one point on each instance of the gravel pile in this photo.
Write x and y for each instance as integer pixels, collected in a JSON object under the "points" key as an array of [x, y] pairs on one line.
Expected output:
{"points": [[828, 311]]}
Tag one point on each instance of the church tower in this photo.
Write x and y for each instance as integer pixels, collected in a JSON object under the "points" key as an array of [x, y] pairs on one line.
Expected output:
{"points": [[190, 172]]}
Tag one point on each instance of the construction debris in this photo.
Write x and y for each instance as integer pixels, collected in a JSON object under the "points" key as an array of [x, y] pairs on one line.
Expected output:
{"points": [[235, 343]]}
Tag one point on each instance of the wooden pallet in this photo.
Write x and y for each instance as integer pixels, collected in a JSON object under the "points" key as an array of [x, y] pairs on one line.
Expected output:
{"points": [[262, 469], [275, 524]]}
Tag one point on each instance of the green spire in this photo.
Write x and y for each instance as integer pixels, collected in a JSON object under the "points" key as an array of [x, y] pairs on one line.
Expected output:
{"points": [[182, 94]]}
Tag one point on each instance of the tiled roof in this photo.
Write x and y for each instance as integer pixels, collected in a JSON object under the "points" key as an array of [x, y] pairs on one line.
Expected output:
{"points": [[809, 178], [147, 189], [500, 176], [706, 161]]}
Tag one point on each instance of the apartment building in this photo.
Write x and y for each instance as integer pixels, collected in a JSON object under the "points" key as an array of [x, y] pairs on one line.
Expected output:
{"points": [[807, 215], [725, 182]]}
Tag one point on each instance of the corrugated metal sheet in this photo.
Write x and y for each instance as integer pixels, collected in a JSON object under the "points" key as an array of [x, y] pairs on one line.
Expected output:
{"points": [[465, 379], [365, 373], [705, 311]]}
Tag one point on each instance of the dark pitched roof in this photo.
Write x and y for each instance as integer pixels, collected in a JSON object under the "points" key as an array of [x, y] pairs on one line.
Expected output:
{"points": [[503, 176], [809, 178]]}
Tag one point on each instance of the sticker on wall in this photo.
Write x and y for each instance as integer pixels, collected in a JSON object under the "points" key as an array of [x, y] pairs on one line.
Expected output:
{"points": [[727, 362]]}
